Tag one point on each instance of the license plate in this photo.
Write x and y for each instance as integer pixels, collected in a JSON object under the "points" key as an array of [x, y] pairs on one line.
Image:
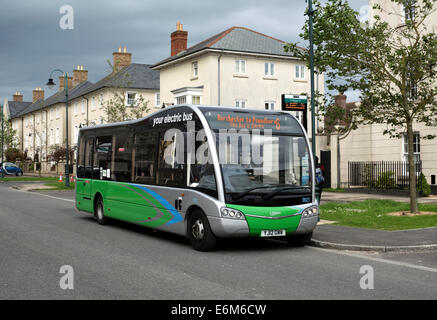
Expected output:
{"points": [[272, 233]]}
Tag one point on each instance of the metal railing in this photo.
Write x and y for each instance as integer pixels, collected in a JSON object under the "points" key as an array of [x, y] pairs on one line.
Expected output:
{"points": [[381, 174]]}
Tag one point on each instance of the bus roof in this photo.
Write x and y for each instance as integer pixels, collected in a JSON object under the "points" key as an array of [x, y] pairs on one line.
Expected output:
{"points": [[201, 108]]}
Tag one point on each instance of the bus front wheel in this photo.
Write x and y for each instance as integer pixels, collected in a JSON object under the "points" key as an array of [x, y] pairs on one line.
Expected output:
{"points": [[99, 212], [199, 232]]}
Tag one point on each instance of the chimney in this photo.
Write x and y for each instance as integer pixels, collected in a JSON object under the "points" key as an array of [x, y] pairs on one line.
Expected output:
{"points": [[178, 40], [340, 100], [69, 82], [17, 96], [121, 59], [79, 75], [37, 94]]}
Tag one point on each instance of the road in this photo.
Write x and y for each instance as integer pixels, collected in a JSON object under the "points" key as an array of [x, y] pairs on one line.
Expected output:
{"points": [[41, 233]]}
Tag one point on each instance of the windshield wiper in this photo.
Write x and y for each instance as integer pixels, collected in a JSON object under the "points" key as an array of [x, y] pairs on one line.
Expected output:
{"points": [[270, 195], [243, 193]]}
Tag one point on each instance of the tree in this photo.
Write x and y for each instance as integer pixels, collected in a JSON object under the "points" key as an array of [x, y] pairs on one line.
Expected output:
{"points": [[119, 107], [393, 67], [10, 139]]}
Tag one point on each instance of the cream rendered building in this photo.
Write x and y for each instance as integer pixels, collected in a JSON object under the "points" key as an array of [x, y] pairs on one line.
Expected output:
{"points": [[41, 124], [238, 67], [368, 143]]}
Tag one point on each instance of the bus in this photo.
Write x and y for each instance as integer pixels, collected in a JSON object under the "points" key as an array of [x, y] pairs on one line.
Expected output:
{"points": [[202, 172]]}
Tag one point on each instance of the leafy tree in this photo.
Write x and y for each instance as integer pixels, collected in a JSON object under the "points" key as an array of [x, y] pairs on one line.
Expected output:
{"points": [[9, 135], [117, 108], [392, 66]]}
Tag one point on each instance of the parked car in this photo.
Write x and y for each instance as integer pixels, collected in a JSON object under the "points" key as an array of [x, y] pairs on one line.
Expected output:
{"points": [[10, 168]]}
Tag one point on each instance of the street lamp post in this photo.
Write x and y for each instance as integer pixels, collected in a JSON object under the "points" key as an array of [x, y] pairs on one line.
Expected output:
{"points": [[51, 84], [313, 119], [3, 136]]}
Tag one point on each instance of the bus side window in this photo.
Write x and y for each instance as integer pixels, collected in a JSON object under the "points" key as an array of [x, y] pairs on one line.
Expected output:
{"points": [[103, 158], [145, 156], [88, 157], [123, 156], [81, 158], [170, 171]]}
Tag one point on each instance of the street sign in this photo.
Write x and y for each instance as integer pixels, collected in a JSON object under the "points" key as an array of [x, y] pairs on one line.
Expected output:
{"points": [[295, 102]]}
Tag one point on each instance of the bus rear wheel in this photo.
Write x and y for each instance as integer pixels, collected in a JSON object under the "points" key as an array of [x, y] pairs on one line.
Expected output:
{"points": [[99, 213], [200, 233], [299, 240]]}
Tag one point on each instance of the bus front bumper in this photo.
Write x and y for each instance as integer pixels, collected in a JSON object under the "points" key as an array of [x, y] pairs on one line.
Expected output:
{"points": [[227, 228]]}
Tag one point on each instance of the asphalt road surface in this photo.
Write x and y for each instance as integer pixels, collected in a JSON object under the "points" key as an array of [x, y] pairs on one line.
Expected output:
{"points": [[40, 233]]}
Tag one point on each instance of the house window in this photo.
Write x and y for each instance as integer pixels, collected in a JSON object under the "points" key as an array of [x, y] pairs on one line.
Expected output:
{"points": [[269, 69], [93, 103], [195, 69], [57, 112], [269, 105], [76, 109], [57, 137], [52, 137], [181, 100], [83, 106], [157, 99], [131, 99], [416, 147], [101, 100], [240, 103], [408, 10], [195, 99], [240, 66], [300, 72]]}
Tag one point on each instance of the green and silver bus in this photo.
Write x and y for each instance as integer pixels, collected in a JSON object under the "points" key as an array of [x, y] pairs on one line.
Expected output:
{"points": [[202, 172]]}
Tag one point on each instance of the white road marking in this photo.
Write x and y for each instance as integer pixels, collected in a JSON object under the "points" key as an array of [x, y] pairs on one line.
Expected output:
{"points": [[398, 263]]}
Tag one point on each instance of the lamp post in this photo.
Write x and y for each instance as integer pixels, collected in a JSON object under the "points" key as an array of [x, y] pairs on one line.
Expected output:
{"points": [[51, 84], [3, 136], [313, 119]]}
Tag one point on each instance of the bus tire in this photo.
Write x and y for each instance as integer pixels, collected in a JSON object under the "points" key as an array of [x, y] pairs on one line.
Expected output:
{"points": [[299, 240], [200, 233], [99, 212]]}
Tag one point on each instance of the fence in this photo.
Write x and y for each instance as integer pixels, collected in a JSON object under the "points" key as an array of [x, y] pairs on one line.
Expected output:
{"points": [[381, 174]]}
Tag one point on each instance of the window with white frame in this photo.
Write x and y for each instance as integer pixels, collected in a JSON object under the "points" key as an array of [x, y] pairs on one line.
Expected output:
{"points": [[83, 108], [299, 72], [269, 69], [195, 99], [195, 69], [240, 103], [157, 99], [181, 100], [408, 10], [76, 108], [93, 103], [57, 137], [416, 147], [131, 98], [101, 100], [52, 137], [58, 111], [76, 134], [240, 66], [269, 105]]}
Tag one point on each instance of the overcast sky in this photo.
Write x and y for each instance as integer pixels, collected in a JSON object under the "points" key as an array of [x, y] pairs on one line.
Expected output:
{"points": [[32, 42]]}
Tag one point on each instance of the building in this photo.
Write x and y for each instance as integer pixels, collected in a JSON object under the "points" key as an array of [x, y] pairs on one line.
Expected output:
{"points": [[237, 67], [368, 143]]}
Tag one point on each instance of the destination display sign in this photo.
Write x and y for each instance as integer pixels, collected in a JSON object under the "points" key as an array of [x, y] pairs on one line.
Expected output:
{"points": [[293, 102]]}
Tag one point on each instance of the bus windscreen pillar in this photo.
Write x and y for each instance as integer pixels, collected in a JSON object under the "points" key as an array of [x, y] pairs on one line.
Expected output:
{"points": [[298, 103]]}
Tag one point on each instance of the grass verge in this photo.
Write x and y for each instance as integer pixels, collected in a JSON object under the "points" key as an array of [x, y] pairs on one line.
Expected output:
{"points": [[373, 214], [57, 186], [29, 179]]}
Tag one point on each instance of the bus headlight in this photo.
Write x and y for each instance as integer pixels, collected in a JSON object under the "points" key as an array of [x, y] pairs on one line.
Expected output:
{"points": [[310, 212], [231, 213]]}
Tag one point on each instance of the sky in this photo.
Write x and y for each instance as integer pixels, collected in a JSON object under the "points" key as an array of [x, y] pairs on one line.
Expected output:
{"points": [[33, 43]]}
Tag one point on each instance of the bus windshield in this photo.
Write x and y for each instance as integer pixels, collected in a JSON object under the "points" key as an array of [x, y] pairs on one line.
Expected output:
{"points": [[266, 160]]}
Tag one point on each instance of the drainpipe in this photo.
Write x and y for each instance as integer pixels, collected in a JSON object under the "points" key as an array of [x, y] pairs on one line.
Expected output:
{"points": [[218, 78]]}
